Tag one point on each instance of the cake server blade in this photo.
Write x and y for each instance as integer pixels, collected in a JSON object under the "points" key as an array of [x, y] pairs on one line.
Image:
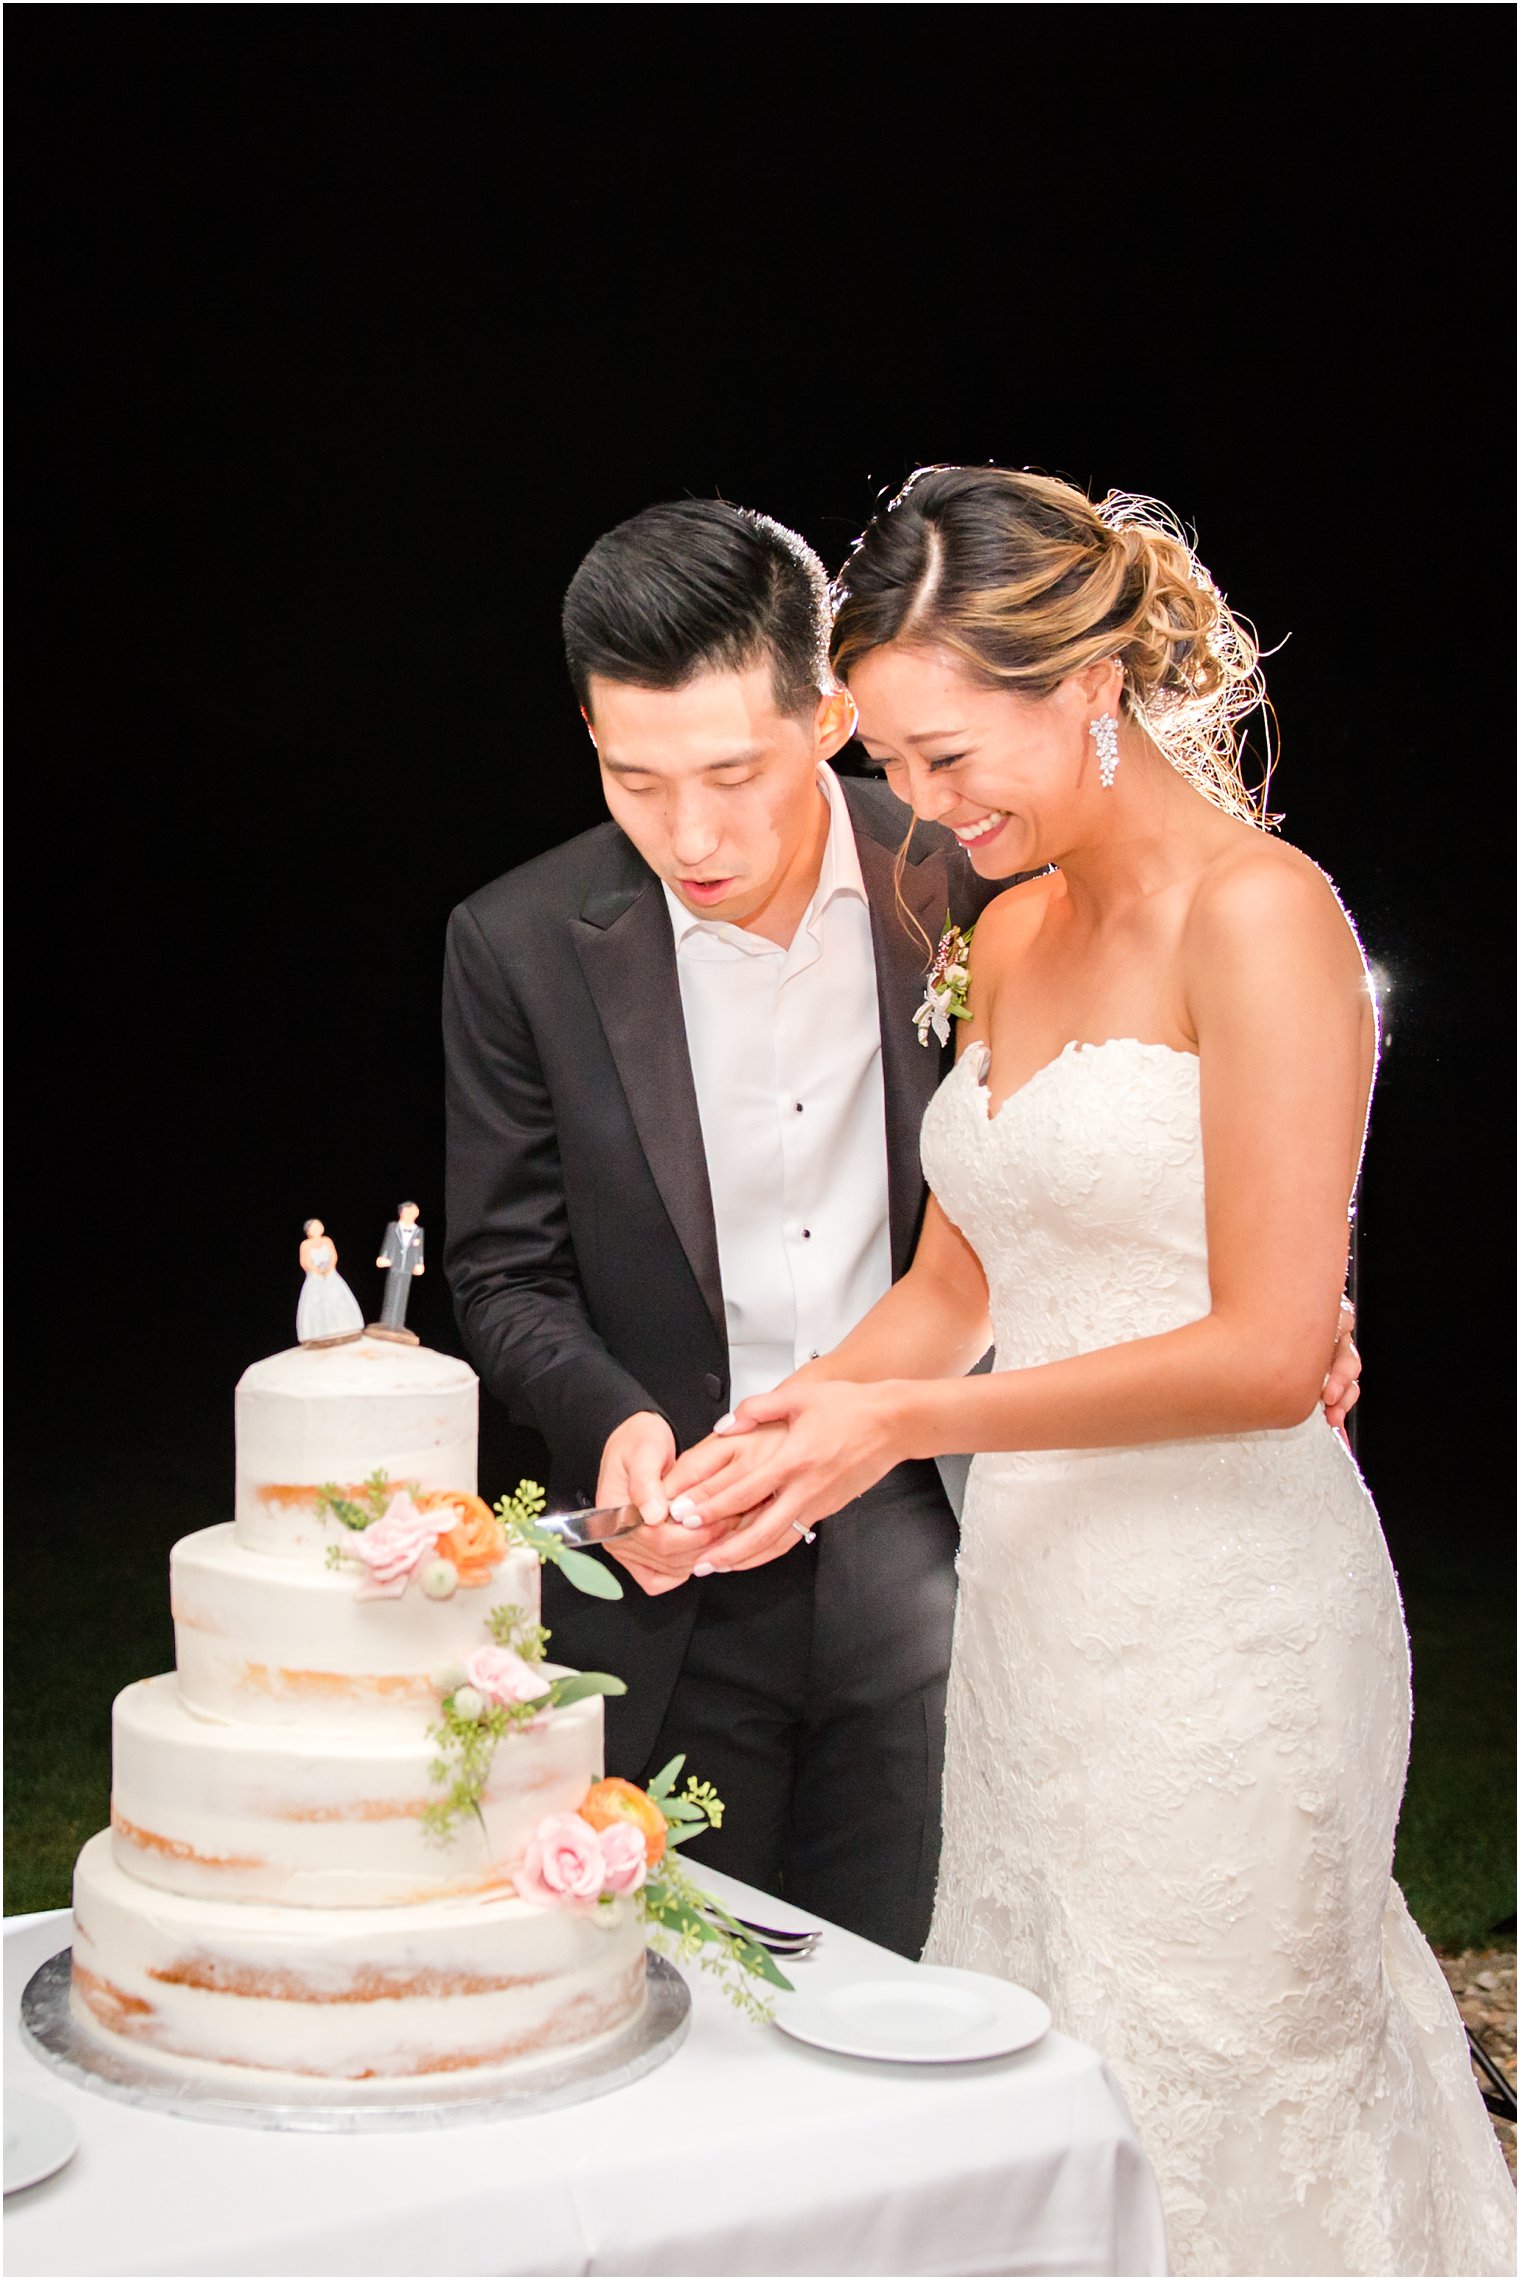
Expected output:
{"points": [[595, 1526]]}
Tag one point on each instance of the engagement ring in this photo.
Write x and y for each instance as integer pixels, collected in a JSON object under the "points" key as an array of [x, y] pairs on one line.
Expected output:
{"points": [[807, 1534]]}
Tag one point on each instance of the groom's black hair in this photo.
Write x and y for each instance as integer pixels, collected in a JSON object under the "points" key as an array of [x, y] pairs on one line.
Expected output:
{"points": [[699, 586]]}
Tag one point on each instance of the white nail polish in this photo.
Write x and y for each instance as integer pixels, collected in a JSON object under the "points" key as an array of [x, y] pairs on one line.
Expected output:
{"points": [[726, 1423], [681, 1508], [691, 1520], [703, 1567]]}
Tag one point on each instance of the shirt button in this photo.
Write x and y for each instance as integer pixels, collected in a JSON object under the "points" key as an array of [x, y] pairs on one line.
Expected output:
{"points": [[799, 1108], [807, 1234]]}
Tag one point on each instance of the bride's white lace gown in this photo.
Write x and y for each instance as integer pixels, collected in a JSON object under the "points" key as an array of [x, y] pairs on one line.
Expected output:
{"points": [[1178, 1727]]}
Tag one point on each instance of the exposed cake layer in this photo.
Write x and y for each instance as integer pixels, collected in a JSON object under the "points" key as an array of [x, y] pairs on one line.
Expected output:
{"points": [[347, 1994], [314, 1416], [317, 1819], [288, 1642]]}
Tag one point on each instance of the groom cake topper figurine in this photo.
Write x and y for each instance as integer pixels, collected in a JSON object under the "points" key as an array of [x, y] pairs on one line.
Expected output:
{"points": [[401, 1256]]}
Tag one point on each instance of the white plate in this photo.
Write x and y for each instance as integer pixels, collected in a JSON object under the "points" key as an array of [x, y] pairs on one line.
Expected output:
{"points": [[926, 2016], [38, 2139]]}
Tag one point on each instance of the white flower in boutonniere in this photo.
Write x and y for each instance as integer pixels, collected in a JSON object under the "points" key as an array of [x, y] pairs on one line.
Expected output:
{"points": [[948, 986]]}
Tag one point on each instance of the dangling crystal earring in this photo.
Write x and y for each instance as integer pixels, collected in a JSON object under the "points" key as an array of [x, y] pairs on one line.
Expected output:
{"points": [[1104, 732]]}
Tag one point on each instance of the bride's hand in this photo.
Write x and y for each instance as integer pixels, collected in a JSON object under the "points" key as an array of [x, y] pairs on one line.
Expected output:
{"points": [[725, 1459], [840, 1439]]}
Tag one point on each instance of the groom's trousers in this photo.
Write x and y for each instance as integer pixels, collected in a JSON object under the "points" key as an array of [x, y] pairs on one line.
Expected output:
{"points": [[812, 1696]]}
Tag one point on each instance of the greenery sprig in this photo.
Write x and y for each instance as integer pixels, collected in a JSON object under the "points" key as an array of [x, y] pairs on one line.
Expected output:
{"points": [[377, 1495], [466, 1748], [469, 1729], [519, 1515], [511, 1627], [686, 1923]]}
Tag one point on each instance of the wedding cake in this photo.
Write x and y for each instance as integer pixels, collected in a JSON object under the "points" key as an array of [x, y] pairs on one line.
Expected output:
{"points": [[284, 1885]]}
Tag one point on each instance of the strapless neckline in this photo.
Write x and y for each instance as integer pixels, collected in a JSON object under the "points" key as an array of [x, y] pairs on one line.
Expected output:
{"points": [[978, 1058], [1081, 1193]]}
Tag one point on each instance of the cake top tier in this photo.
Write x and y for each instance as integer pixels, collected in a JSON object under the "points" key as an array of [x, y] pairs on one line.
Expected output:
{"points": [[367, 1368], [338, 1417]]}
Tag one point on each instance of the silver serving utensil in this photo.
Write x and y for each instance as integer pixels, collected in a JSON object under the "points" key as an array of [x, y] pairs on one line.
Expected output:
{"points": [[597, 1524], [790, 1951], [797, 1944]]}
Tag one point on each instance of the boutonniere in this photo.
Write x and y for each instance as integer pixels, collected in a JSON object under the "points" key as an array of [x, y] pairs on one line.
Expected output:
{"points": [[948, 986]]}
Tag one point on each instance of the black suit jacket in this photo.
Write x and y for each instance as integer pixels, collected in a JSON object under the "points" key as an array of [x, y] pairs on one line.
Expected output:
{"points": [[582, 1251]]}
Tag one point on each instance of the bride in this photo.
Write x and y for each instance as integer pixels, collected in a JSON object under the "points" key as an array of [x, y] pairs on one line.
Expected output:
{"points": [[1179, 1698]]}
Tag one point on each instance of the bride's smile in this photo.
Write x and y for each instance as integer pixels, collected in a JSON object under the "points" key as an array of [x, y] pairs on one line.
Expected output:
{"points": [[1016, 778]]}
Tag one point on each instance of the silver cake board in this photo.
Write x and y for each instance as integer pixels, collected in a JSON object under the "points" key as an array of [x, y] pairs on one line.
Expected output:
{"points": [[53, 2034]]}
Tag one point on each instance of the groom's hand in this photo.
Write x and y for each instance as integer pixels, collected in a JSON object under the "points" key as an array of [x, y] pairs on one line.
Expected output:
{"points": [[633, 1460], [663, 1553], [1343, 1385]]}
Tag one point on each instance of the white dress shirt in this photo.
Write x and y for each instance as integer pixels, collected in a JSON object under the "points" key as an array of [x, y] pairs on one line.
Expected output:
{"points": [[785, 1049]]}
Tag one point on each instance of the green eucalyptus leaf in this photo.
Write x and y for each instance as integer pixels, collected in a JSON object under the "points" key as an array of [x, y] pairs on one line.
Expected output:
{"points": [[754, 1958], [588, 1575], [681, 1918], [763, 1964], [665, 1780], [582, 1683]]}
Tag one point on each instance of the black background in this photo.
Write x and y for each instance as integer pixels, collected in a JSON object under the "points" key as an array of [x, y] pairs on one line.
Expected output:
{"points": [[339, 333]]}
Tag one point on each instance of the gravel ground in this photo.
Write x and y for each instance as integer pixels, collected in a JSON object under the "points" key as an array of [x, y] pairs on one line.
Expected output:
{"points": [[1483, 1982]]}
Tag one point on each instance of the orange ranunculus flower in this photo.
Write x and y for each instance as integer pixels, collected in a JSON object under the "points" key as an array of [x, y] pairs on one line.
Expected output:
{"points": [[617, 1800], [476, 1543]]}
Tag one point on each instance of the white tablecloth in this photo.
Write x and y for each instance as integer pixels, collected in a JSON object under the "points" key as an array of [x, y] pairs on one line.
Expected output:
{"points": [[745, 2153]]}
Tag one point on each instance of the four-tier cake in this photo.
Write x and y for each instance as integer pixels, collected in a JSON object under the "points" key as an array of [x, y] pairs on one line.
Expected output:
{"points": [[274, 1891]]}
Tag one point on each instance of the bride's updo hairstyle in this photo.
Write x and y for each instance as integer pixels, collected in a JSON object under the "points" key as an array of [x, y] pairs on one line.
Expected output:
{"points": [[1026, 581]]}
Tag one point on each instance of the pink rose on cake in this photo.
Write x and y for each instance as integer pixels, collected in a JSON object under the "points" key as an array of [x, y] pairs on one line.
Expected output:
{"points": [[502, 1676], [564, 1866], [625, 1863], [571, 1865], [393, 1547]]}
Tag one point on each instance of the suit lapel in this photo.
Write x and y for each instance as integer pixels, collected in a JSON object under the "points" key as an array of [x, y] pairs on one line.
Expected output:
{"points": [[627, 953], [910, 1071]]}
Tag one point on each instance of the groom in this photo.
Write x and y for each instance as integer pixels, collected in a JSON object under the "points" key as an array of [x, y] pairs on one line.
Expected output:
{"points": [[684, 1095]]}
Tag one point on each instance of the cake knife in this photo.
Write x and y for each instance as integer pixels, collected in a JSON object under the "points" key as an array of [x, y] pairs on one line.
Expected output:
{"points": [[597, 1525]]}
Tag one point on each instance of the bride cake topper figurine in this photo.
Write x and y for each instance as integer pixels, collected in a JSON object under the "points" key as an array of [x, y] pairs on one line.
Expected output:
{"points": [[401, 1256], [328, 1312]]}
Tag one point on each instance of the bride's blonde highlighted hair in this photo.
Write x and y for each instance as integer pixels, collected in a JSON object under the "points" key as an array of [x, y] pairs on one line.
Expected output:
{"points": [[1027, 581]]}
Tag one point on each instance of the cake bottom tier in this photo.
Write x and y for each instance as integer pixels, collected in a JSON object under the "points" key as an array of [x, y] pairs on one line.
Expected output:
{"points": [[347, 1994]]}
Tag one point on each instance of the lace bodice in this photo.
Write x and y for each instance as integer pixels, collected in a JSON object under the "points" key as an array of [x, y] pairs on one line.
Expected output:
{"points": [[1177, 1728], [1082, 1196]]}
